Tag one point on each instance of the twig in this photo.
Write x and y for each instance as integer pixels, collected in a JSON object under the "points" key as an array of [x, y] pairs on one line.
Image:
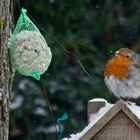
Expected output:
{"points": [[62, 46], [49, 105]]}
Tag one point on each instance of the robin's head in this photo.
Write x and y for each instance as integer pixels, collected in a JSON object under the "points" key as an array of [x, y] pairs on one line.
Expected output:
{"points": [[125, 54], [118, 66]]}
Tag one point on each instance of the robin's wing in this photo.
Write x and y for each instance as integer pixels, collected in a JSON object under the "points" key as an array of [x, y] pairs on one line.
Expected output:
{"points": [[135, 68], [134, 75]]}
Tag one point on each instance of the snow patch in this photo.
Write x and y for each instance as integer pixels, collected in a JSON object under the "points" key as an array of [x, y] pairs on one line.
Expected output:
{"points": [[40, 101], [134, 108], [40, 111], [98, 100], [18, 101], [46, 130], [95, 117]]}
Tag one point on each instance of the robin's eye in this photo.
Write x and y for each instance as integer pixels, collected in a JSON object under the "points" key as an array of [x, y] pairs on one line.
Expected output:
{"points": [[127, 56]]}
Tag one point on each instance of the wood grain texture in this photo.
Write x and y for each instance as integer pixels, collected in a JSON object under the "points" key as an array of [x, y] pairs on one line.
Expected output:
{"points": [[6, 73], [120, 127], [114, 111], [93, 107]]}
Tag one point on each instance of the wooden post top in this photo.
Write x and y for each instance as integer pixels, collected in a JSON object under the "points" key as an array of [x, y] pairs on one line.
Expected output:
{"points": [[94, 106]]}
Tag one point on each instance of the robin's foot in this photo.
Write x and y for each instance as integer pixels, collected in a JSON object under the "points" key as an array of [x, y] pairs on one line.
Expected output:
{"points": [[126, 99]]}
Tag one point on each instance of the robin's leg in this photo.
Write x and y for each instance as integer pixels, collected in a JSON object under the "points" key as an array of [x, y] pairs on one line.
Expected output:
{"points": [[126, 99], [123, 98]]}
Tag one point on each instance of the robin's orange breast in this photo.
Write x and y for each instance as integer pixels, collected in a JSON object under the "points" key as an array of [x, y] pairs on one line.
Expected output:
{"points": [[118, 67]]}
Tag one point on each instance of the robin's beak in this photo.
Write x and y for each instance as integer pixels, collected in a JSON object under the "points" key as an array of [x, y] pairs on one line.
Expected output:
{"points": [[117, 53]]}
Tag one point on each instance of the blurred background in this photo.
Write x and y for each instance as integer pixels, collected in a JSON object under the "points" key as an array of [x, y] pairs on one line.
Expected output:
{"points": [[91, 29]]}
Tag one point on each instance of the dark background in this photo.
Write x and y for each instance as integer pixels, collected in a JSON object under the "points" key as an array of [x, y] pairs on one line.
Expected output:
{"points": [[91, 29]]}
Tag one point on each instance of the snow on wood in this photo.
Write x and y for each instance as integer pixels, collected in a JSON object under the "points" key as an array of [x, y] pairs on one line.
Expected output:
{"points": [[98, 100], [95, 117], [134, 108]]}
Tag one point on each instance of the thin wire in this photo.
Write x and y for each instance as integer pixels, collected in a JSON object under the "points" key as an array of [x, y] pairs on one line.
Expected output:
{"points": [[78, 60], [49, 105], [62, 46], [19, 4]]}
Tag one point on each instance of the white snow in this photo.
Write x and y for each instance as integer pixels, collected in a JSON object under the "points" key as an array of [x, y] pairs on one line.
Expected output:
{"points": [[97, 116], [40, 111], [134, 108], [94, 118], [26, 83], [40, 102], [0, 95], [18, 101], [1, 91], [98, 100], [46, 130]]}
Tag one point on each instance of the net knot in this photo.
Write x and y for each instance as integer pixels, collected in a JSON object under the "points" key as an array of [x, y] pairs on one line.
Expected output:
{"points": [[23, 10]]}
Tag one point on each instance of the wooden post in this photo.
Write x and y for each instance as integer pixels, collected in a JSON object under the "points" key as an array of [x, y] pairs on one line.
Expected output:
{"points": [[6, 74], [94, 106]]}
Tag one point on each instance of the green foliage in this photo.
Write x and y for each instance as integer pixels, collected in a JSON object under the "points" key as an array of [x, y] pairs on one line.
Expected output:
{"points": [[92, 30]]}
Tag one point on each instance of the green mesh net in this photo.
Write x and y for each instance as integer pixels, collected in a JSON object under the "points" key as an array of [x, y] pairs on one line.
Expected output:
{"points": [[30, 54]]}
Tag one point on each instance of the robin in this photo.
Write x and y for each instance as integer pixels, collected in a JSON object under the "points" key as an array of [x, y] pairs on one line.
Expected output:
{"points": [[122, 74]]}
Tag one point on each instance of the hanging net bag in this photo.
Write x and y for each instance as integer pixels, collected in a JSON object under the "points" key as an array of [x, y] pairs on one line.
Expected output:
{"points": [[29, 52]]}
